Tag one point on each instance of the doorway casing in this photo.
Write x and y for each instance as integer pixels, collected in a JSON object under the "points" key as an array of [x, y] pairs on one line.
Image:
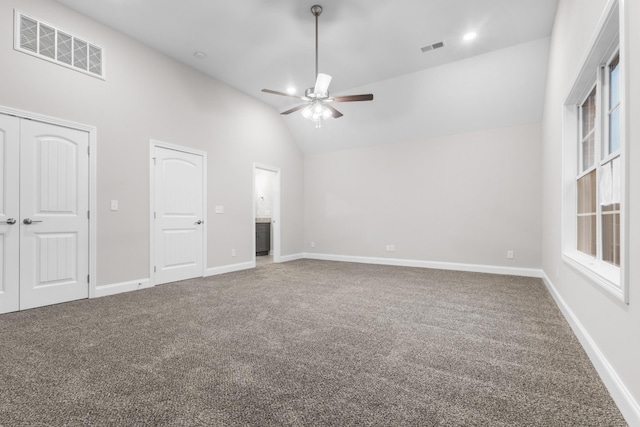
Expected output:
{"points": [[275, 219]]}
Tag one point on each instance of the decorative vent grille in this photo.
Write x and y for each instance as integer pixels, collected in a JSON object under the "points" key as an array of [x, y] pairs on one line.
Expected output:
{"points": [[40, 39], [432, 47]]}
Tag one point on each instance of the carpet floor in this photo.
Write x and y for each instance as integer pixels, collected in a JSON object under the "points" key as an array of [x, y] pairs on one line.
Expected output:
{"points": [[304, 343]]}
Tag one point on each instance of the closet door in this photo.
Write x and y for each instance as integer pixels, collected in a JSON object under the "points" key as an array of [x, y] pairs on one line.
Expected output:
{"points": [[54, 205], [179, 207], [9, 213]]}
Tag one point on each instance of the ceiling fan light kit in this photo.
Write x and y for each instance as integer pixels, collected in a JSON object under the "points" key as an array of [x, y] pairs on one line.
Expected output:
{"points": [[316, 107]]}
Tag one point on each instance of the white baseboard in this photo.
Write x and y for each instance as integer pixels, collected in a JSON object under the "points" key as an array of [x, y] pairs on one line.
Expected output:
{"points": [[287, 258], [477, 268], [214, 271], [628, 406], [118, 288]]}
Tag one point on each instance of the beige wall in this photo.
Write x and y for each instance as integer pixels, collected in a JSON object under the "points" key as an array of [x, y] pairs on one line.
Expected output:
{"points": [[149, 96], [613, 326], [465, 198]]}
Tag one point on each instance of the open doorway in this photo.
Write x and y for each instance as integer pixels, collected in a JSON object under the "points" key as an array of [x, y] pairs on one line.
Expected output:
{"points": [[266, 212]]}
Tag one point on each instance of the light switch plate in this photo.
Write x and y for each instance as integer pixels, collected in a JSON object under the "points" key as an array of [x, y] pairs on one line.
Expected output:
{"points": [[219, 209], [114, 205]]}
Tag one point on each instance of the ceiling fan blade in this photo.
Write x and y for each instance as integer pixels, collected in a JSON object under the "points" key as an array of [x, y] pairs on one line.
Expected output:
{"points": [[335, 113], [352, 98], [294, 109], [322, 84], [276, 92]]}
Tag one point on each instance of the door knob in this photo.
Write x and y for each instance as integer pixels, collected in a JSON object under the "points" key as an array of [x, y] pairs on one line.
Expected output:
{"points": [[29, 221], [198, 222], [10, 221]]}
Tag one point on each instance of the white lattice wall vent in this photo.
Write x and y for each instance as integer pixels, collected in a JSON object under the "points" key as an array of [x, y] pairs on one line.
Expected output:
{"points": [[45, 41]]}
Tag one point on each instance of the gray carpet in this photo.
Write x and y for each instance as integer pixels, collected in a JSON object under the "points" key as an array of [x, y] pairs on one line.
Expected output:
{"points": [[305, 343]]}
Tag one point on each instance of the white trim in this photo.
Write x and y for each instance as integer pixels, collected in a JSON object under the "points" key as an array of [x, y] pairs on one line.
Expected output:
{"points": [[153, 144], [93, 194], [292, 257], [625, 143], [214, 271], [118, 288], [275, 218], [599, 272], [628, 406], [477, 268]]}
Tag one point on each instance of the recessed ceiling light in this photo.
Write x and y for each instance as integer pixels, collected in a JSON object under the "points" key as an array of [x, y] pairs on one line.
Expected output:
{"points": [[199, 55], [470, 36]]}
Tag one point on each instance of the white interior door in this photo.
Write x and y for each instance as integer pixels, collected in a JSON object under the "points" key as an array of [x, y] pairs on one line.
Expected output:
{"points": [[179, 207], [9, 213], [54, 208]]}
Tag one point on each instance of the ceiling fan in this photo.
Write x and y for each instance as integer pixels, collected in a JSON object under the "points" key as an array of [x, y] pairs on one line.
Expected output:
{"points": [[317, 99]]}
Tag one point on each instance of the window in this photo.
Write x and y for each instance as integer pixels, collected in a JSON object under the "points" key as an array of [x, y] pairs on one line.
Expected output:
{"points": [[598, 205], [593, 167]]}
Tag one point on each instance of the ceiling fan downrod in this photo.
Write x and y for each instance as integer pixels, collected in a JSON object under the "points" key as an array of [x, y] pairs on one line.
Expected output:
{"points": [[316, 10]]}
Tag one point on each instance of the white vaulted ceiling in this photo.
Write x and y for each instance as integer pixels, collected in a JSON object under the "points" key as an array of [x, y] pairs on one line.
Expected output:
{"points": [[367, 46]]}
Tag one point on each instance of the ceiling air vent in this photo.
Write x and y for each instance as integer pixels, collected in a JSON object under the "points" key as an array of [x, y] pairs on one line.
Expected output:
{"points": [[45, 41], [432, 47]]}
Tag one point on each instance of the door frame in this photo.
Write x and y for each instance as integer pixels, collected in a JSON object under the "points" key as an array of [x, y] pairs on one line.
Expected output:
{"points": [[153, 144], [275, 219], [93, 156]]}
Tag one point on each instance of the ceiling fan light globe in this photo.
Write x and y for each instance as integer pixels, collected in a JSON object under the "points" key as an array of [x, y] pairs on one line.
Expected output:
{"points": [[307, 112]]}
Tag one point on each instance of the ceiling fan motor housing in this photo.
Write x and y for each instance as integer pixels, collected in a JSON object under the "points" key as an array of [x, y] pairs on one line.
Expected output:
{"points": [[311, 94]]}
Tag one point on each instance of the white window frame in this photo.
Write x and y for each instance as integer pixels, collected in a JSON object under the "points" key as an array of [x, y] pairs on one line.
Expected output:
{"points": [[609, 38]]}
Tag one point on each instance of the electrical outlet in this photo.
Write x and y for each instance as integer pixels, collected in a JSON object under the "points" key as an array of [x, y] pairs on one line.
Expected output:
{"points": [[233, 252], [509, 254], [313, 244], [391, 248], [219, 209]]}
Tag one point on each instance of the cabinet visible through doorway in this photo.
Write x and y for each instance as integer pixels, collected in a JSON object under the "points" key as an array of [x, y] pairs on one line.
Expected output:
{"points": [[263, 238]]}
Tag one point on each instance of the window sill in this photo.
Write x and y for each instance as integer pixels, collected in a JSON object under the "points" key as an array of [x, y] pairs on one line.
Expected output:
{"points": [[604, 274]]}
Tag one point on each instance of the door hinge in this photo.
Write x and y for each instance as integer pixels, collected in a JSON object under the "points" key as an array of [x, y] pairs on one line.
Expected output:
{"points": [[154, 161], [88, 214], [154, 269], [154, 215], [88, 278], [89, 150]]}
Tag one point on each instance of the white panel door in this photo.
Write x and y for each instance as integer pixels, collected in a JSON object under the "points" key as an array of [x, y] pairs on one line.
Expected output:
{"points": [[54, 205], [9, 213], [178, 236]]}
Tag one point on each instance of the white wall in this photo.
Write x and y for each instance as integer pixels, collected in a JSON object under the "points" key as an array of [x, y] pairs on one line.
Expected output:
{"points": [[612, 326], [498, 89], [466, 198], [149, 96]]}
